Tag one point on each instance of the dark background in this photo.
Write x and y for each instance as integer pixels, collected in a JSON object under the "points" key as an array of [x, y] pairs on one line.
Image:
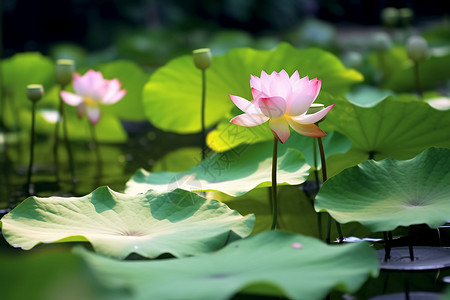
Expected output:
{"points": [[95, 24]]}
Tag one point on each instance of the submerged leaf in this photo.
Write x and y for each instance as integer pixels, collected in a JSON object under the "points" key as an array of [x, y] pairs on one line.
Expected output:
{"points": [[150, 224], [272, 263], [234, 172], [390, 193]]}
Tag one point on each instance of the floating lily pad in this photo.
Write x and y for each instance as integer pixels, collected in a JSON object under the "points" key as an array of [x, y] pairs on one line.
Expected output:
{"points": [[272, 263], [150, 224], [399, 127], [234, 172], [390, 193], [172, 96]]}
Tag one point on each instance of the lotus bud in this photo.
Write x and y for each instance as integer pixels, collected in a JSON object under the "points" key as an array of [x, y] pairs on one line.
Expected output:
{"points": [[390, 16], [381, 41], [202, 58], [417, 48], [35, 92], [64, 71]]}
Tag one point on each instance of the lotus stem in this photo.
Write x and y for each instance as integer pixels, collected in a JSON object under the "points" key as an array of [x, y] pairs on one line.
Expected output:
{"points": [[62, 119], [324, 178], [274, 185], [32, 141], [316, 179], [410, 243], [203, 145], [417, 79], [96, 148]]}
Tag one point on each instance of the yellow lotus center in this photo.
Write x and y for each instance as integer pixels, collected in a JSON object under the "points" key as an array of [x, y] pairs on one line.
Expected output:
{"points": [[89, 101]]}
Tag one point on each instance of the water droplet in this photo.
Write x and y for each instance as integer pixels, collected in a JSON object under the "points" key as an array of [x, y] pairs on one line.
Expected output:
{"points": [[296, 245], [136, 247]]}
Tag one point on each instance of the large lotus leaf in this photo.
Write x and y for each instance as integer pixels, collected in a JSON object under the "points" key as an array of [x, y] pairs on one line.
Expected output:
{"points": [[172, 96], [390, 193], [432, 72], [396, 127], [150, 224], [272, 263], [234, 172], [23, 69], [45, 275], [390, 61], [133, 79], [367, 96]]}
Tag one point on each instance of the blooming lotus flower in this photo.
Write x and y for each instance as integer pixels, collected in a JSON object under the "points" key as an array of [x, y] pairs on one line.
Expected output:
{"points": [[92, 90], [283, 101]]}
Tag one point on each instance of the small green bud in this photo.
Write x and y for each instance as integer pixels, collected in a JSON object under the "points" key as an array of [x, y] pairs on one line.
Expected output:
{"points": [[202, 58], [64, 71], [35, 92], [381, 41], [417, 48], [390, 16]]}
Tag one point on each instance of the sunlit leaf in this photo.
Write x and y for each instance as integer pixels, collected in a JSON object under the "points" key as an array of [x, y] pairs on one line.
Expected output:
{"points": [[172, 97], [150, 224], [390, 193], [272, 263], [234, 172]]}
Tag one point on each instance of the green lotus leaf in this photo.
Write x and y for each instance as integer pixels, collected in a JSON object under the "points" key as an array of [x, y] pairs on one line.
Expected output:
{"points": [[398, 127], [177, 222], [390, 61], [367, 96], [51, 274], [179, 160], [390, 193], [23, 69], [432, 72], [272, 263], [234, 172], [172, 96], [133, 79]]}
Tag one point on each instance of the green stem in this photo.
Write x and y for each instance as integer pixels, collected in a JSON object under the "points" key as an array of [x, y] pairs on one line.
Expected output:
{"points": [[417, 79], [30, 166], [66, 140], [274, 185], [316, 179], [56, 142], [324, 178], [203, 114], [97, 154]]}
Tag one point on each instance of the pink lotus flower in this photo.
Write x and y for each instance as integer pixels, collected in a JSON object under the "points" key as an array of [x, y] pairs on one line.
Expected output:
{"points": [[283, 101], [92, 90]]}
